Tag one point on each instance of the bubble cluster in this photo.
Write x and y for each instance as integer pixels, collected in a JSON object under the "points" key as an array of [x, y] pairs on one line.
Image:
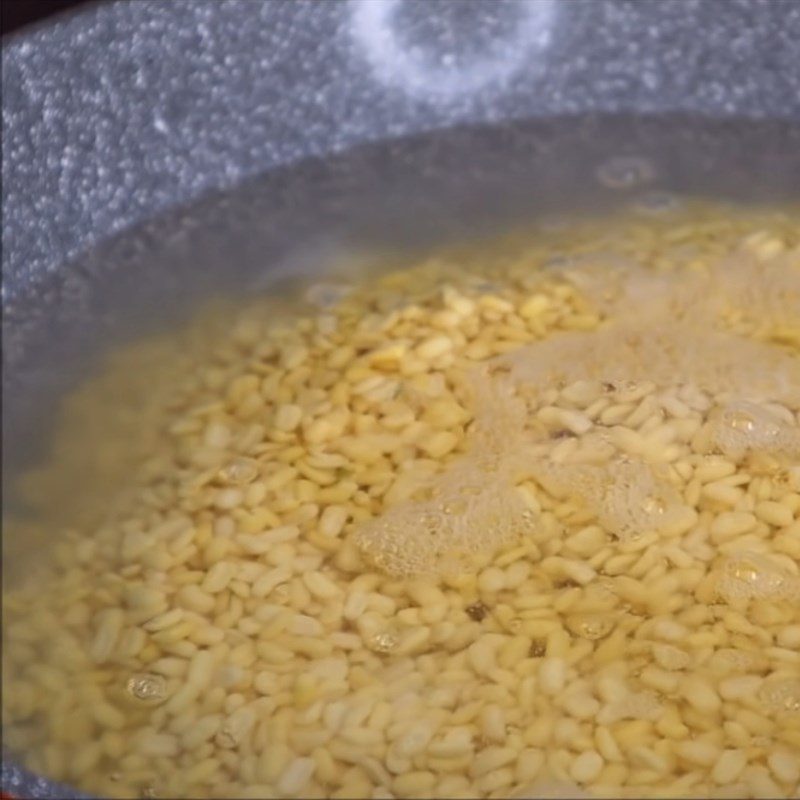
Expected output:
{"points": [[666, 353], [781, 694], [746, 576], [732, 660], [626, 496], [466, 515], [147, 688], [633, 705], [744, 427], [621, 439], [384, 642], [591, 626], [664, 330]]}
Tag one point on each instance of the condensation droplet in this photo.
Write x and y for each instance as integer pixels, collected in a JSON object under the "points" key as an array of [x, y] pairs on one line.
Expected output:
{"points": [[147, 688], [240, 471], [625, 172]]}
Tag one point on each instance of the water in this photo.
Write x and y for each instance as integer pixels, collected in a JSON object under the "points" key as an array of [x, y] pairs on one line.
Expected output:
{"points": [[175, 446]]}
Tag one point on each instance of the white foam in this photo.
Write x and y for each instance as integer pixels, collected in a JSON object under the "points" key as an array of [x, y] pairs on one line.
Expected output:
{"points": [[748, 575], [665, 330]]}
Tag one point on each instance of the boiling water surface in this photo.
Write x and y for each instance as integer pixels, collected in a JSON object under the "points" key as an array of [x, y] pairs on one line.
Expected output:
{"points": [[519, 519]]}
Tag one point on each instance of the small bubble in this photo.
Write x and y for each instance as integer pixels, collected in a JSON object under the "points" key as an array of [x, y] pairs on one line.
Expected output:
{"points": [[455, 507], [740, 421], [383, 642], [147, 688], [591, 626], [240, 471], [653, 506], [625, 172]]}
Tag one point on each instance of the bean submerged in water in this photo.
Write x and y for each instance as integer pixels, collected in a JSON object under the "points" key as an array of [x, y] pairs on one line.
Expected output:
{"points": [[213, 627]]}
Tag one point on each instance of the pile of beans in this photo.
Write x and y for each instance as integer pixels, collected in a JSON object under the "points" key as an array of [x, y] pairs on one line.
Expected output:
{"points": [[204, 624]]}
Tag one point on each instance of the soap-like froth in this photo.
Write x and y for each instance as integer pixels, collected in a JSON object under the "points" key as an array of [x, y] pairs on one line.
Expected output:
{"points": [[682, 326], [742, 427], [749, 576]]}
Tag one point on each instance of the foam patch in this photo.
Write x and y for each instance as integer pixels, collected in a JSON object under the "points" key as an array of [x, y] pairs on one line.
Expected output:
{"points": [[625, 495], [748, 576], [743, 427], [666, 353], [468, 513], [665, 327]]}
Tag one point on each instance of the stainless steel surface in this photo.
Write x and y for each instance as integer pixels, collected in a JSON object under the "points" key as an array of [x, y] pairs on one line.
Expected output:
{"points": [[343, 124]]}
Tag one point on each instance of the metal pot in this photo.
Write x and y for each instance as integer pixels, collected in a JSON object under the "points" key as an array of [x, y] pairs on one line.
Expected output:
{"points": [[157, 152]]}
